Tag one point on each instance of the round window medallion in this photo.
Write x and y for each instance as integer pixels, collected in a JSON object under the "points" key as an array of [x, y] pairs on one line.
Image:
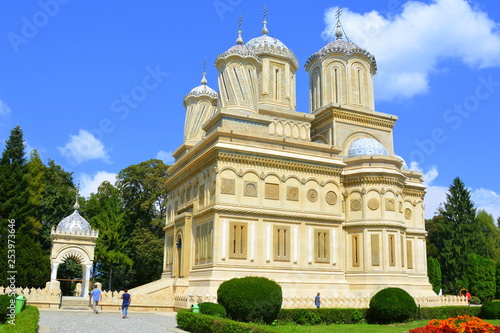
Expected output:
{"points": [[251, 189], [408, 213], [373, 204], [331, 198], [312, 195], [355, 205]]}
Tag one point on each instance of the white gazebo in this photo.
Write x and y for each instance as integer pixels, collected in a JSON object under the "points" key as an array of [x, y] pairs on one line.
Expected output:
{"points": [[73, 238]]}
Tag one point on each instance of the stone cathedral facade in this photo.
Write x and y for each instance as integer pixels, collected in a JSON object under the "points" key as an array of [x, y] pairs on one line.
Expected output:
{"points": [[316, 201]]}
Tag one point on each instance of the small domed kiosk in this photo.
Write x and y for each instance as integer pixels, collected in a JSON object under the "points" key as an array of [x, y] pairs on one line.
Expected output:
{"points": [[73, 238]]}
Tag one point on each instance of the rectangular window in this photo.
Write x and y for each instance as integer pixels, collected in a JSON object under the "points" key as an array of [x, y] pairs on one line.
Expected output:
{"points": [[203, 243], [392, 250], [281, 243], [402, 251], [321, 246], [201, 196], [170, 249], [355, 251], [409, 254], [237, 240], [197, 246], [375, 245]]}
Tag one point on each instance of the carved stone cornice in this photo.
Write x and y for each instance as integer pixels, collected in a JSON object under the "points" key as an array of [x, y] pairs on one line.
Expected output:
{"points": [[352, 181], [269, 162], [414, 192], [297, 216], [374, 224], [364, 119]]}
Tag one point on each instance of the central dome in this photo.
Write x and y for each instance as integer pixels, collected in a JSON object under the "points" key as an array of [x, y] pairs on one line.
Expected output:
{"points": [[366, 146]]}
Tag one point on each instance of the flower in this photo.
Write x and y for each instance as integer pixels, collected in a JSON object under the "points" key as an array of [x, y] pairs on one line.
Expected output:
{"points": [[460, 324]]}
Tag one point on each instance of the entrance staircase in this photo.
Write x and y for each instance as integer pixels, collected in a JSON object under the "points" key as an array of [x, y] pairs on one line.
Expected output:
{"points": [[74, 303]]}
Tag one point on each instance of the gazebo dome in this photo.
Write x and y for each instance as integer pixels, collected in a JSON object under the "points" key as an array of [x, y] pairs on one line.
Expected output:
{"points": [[74, 223], [366, 146]]}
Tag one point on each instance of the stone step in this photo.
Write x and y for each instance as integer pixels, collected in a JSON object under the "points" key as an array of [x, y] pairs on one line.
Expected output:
{"points": [[71, 302]]}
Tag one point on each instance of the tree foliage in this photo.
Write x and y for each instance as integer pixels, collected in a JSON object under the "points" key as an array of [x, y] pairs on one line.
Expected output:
{"points": [[434, 273], [481, 277]]}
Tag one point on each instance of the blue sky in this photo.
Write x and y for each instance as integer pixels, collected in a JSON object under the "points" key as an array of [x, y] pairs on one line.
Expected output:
{"points": [[98, 86]]}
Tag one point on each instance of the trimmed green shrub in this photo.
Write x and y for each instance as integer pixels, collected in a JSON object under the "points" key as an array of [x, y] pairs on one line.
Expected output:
{"points": [[497, 279], [490, 310], [475, 300], [26, 321], [443, 312], [434, 273], [212, 309], [6, 307], [251, 299], [391, 305], [200, 323], [324, 316]]}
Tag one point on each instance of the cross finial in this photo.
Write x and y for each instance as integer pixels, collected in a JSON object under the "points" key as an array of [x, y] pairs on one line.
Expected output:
{"points": [[339, 13], [264, 13], [239, 40], [77, 194], [204, 64], [204, 78]]}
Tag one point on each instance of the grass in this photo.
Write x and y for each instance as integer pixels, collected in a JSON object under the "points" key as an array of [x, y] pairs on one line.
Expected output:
{"points": [[350, 328]]}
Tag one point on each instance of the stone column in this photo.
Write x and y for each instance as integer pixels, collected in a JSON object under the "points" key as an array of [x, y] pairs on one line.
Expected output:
{"points": [[85, 278], [53, 273]]}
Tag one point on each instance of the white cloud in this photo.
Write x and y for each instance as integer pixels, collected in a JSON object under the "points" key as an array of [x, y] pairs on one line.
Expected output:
{"points": [[90, 184], [408, 46], [84, 147], [4, 109], [486, 200], [165, 156]]}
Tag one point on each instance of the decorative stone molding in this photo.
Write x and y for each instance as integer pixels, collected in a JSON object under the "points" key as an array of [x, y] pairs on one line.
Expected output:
{"points": [[355, 205], [292, 193], [331, 198], [390, 205], [312, 195], [250, 189], [408, 213], [272, 191], [373, 204], [227, 186]]}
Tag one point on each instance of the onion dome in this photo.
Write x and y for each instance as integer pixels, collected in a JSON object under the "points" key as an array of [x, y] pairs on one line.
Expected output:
{"points": [[366, 146], [266, 44], [341, 46], [404, 166], [74, 223], [240, 49], [202, 90]]}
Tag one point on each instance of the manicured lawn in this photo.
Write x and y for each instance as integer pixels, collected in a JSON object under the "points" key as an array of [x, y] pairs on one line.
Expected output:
{"points": [[350, 328]]}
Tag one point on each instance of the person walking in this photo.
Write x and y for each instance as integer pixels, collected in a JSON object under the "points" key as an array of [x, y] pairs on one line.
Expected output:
{"points": [[317, 301], [125, 303], [96, 296]]}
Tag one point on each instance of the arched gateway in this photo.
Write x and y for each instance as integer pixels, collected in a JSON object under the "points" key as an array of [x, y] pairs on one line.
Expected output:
{"points": [[73, 238]]}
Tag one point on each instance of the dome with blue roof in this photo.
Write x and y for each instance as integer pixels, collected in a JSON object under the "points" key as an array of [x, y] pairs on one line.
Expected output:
{"points": [[366, 146]]}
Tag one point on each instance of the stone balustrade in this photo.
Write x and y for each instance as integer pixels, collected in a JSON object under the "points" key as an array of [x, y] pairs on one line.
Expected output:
{"points": [[165, 301]]}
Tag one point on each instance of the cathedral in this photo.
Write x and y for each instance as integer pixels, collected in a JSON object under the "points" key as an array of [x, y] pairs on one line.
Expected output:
{"points": [[316, 201]]}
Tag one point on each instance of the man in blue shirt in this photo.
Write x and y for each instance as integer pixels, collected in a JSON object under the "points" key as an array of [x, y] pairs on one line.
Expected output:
{"points": [[96, 296], [126, 302]]}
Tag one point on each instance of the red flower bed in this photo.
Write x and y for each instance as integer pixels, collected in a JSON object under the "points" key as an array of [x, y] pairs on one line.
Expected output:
{"points": [[460, 324]]}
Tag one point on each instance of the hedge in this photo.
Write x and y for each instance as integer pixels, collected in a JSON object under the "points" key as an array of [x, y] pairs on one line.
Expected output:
{"points": [[324, 316], [443, 312], [199, 323], [26, 321]]}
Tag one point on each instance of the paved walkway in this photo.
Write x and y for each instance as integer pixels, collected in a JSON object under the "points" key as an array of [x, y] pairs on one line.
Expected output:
{"points": [[74, 321]]}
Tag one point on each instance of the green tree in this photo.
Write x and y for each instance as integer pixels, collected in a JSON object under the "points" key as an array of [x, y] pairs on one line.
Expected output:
{"points": [[434, 273], [19, 206], [142, 187], [497, 279], [106, 213], [460, 236], [489, 234], [481, 276]]}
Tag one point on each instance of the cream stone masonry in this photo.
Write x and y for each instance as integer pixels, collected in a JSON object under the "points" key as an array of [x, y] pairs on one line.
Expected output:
{"points": [[316, 201]]}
